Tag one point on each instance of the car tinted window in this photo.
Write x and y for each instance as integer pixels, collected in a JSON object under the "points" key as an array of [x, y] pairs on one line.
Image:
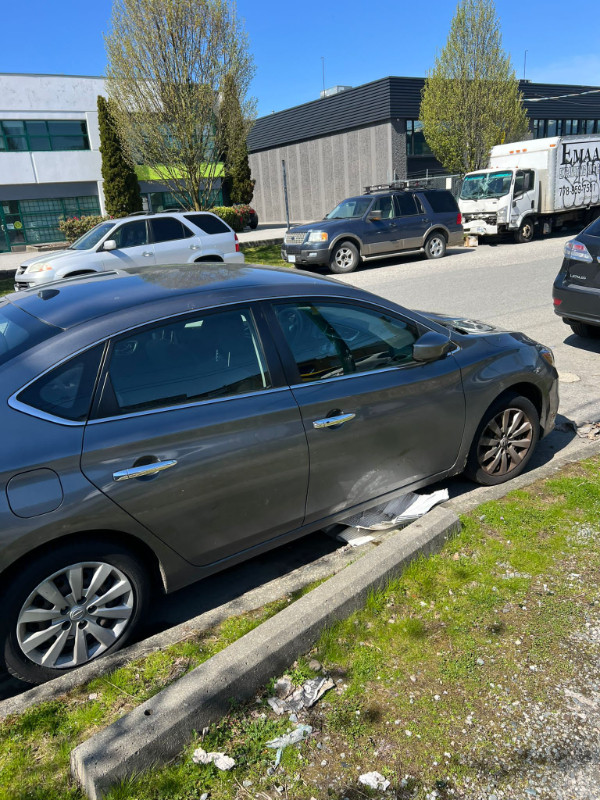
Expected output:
{"points": [[594, 228], [131, 234], [329, 340], [384, 204], [199, 358], [66, 391], [441, 201], [167, 229], [406, 204], [208, 223], [20, 331]]}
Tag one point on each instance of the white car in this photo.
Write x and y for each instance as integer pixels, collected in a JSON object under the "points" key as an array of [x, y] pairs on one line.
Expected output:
{"points": [[139, 240]]}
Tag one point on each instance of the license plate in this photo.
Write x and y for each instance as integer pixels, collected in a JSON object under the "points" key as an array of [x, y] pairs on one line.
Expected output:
{"points": [[291, 259]]}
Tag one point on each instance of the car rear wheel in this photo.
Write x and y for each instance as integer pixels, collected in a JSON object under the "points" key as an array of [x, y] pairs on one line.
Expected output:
{"points": [[435, 246], [70, 606], [584, 330], [344, 258], [504, 441]]}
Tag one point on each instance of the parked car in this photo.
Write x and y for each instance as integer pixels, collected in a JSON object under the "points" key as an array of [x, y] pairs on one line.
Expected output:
{"points": [[577, 286], [162, 424], [375, 225], [141, 240]]}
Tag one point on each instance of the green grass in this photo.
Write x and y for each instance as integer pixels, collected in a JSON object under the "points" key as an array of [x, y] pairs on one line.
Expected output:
{"points": [[266, 254], [6, 285]]}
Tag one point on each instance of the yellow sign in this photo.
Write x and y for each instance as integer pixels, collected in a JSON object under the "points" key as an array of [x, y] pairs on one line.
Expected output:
{"points": [[18, 225]]}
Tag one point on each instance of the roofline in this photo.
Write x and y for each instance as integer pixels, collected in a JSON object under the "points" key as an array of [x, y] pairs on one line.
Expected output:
{"points": [[48, 75]]}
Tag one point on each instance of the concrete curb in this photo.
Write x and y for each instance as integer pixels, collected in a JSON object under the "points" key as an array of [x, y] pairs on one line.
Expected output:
{"points": [[157, 730], [262, 242]]}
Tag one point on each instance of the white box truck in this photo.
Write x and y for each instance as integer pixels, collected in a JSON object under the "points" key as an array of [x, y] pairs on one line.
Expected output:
{"points": [[539, 184]]}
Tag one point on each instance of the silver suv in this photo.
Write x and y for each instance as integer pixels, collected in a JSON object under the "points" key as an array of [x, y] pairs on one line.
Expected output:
{"points": [[141, 240]]}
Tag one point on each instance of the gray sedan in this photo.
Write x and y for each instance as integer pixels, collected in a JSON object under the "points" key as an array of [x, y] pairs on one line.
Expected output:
{"points": [[161, 425]]}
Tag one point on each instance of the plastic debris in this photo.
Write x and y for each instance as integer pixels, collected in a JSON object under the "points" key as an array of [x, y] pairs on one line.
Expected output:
{"points": [[304, 696], [353, 537], [374, 780], [281, 742], [397, 512], [220, 760]]}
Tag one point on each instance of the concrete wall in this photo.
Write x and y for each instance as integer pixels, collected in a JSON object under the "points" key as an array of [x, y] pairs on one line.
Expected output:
{"points": [[322, 171]]}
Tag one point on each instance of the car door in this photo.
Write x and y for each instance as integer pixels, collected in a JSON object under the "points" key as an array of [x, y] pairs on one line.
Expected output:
{"points": [[194, 398], [411, 220], [380, 236], [375, 419], [133, 247], [174, 242]]}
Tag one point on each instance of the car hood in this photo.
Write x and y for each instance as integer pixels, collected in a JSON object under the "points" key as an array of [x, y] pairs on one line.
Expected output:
{"points": [[55, 257], [461, 324], [324, 225]]}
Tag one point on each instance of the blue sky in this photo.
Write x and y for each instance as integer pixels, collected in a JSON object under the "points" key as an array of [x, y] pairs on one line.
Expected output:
{"points": [[360, 41]]}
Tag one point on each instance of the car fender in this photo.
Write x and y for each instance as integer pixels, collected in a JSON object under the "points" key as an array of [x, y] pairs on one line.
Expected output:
{"points": [[436, 227], [352, 237]]}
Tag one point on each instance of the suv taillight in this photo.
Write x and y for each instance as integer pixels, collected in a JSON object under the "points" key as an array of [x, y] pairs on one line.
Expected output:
{"points": [[237, 243], [459, 218]]}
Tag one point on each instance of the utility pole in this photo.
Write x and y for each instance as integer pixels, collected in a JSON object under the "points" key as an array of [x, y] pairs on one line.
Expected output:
{"points": [[524, 64], [323, 65], [285, 194]]}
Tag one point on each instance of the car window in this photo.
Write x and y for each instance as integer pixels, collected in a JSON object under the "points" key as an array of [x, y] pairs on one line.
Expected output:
{"points": [[208, 223], [594, 228], [384, 204], [167, 229], [91, 238], [19, 331], [131, 234], [405, 204], [67, 390], [329, 340], [192, 359], [441, 201]]}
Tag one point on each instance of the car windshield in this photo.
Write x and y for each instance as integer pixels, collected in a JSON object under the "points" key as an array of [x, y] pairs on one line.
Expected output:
{"points": [[91, 238], [487, 184], [350, 209], [19, 331]]}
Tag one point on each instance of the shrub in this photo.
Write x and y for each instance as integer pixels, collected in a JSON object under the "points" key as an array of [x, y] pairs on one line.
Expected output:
{"points": [[232, 216], [74, 227], [246, 211]]}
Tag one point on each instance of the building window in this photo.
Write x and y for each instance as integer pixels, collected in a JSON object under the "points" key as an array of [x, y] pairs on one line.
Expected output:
{"points": [[415, 140], [37, 135], [563, 127], [36, 221]]}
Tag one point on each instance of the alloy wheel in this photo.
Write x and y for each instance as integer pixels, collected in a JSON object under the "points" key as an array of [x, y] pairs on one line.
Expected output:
{"points": [[75, 615], [436, 247], [505, 442], [344, 257]]}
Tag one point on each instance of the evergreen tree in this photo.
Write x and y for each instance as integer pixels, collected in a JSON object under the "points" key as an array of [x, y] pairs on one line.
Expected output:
{"points": [[121, 187], [471, 99], [232, 148]]}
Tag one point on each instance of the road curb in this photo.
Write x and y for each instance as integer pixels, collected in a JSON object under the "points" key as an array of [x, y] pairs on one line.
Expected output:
{"points": [[157, 730]]}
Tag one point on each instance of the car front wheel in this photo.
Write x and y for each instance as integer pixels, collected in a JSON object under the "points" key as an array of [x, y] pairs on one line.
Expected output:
{"points": [[69, 607], [504, 441], [344, 258]]}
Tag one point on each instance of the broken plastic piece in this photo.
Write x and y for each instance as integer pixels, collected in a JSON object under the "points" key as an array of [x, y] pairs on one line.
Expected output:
{"points": [[304, 696], [281, 742], [397, 512]]}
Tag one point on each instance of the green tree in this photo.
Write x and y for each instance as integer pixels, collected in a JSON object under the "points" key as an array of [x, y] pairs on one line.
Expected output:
{"points": [[233, 151], [121, 187], [167, 65], [471, 99]]}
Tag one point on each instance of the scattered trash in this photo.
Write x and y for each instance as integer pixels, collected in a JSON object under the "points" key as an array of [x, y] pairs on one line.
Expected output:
{"points": [[93, 696], [471, 241], [281, 742], [591, 430], [220, 760], [304, 696], [353, 537], [374, 780], [397, 512]]}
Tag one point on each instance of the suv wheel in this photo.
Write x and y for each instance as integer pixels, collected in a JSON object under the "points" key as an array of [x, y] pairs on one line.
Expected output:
{"points": [[435, 246], [584, 330], [344, 258]]}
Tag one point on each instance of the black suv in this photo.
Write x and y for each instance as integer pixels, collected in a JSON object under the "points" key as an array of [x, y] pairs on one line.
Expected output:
{"points": [[577, 285], [384, 221]]}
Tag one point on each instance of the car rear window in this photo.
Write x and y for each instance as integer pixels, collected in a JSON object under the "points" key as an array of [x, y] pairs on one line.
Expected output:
{"points": [[208, 223], [441, 201], [19, 331], [594, 228]]}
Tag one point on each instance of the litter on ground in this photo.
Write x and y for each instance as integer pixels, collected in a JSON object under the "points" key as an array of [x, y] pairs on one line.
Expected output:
{"points": [[292, 700], [281, 742], [374, 780], [220, 760], [397, 512]]}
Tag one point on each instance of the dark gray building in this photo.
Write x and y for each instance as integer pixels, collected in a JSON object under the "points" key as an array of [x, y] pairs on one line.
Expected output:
{"points": [[335, 146]]}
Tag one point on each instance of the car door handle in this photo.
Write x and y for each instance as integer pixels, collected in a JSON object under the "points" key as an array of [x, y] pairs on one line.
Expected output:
{"points": [[147, 254], [141, 472], [332, 422]]}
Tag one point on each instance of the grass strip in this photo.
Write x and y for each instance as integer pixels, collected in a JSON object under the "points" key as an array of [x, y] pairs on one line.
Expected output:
{"points": [[269, 254], [7, 285]]}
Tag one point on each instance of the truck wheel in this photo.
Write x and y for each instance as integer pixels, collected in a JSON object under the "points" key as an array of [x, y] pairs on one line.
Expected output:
{"points": [[525, 232], [344, 258]]}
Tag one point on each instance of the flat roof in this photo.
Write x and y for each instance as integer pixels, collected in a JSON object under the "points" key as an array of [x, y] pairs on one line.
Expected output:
{"points": [[48, 75]]}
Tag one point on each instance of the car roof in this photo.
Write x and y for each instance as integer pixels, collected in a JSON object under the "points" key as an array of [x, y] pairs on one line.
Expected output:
{"points": [[73, 301]]}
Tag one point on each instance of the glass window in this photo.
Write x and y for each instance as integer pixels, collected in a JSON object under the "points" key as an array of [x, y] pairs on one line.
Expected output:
{"points": [[91, 238], [415, 139], [329, 340], [208, 223], [67, 127], [132, 234], [33, 135], [20, 331], [551, 127], [441, 201], [353, 208], [385, 205], [70, 143], [167, 229], [406, 204], [67, 390], [36, 128], [13, 128], [39, 143], [200, 358], [16, 143], [594, 228]]}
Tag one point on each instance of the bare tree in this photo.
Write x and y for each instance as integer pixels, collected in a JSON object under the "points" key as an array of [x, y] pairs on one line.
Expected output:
{"points": [[167, 65]]}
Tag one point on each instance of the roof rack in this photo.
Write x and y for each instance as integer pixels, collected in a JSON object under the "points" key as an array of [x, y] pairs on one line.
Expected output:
{"points": [[140, 213], [385, 187], [179, 210]]}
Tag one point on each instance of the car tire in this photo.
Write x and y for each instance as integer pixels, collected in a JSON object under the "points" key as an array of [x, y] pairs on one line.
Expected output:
{"points": [[253, 222], [344, 258], [584, 330], [76, 633], [497, 456], [525, 232], [435, 246]]}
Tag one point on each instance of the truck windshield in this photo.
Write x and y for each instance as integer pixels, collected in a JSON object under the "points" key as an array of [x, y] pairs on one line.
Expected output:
{"points": [[486, 184], [350, 209]]}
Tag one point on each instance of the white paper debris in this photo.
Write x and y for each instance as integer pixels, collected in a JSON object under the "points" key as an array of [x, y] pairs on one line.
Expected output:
{"points": [[375, 780], [353, 537], [281, 742], [304, 696], [220, 760], [397, 512]]}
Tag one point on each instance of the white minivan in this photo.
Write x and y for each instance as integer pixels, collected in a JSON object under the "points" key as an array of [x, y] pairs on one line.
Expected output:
{"points": [[137, 241]]}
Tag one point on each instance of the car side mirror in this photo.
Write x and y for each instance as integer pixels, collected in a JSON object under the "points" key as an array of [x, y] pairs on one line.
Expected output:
{"points": [[109, 244], [431, 346], [374, 216]]}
